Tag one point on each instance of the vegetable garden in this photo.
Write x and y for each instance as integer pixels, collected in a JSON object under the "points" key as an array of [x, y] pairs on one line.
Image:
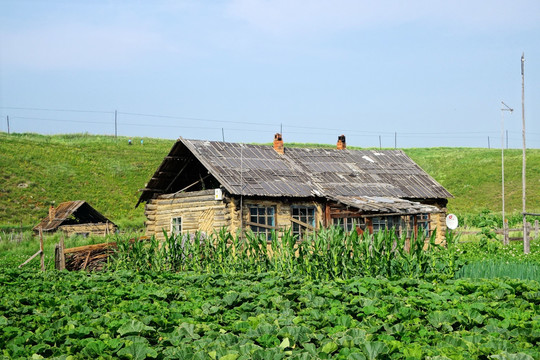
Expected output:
{"points": [[338, 296]]}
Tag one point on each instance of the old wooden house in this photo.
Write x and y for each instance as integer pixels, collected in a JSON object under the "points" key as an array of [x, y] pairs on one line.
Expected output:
{"points": [[75, 217], [207, 185]]}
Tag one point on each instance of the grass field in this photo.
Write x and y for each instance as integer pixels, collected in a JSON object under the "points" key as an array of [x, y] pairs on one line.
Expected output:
{"points": [[37, 171]]}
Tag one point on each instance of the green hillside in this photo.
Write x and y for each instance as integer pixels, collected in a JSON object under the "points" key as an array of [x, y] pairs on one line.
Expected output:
{"points": [[37, 171]]}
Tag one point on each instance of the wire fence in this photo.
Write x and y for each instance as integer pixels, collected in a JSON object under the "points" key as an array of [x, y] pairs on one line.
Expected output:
{"points": [[62, 121]]}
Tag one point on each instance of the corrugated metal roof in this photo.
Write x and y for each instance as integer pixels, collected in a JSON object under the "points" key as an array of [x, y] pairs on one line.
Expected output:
{"points": [[69, 213], [258, 170]]}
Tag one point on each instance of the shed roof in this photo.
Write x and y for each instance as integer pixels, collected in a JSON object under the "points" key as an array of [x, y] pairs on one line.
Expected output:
{"points": [[71, 213], [258, 170]]}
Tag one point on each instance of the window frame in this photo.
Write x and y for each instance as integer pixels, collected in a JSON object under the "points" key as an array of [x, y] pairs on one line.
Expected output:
{"points": [[176, 226], [310, 217], [261, 212], [349, 224]]}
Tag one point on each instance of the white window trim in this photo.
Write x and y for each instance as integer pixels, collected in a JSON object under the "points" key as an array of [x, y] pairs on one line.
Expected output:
{"points": [[173, 224]]}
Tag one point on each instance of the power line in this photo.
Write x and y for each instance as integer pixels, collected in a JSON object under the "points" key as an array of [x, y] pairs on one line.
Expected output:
{"points": [[323, 130], [59, 110], [60, 120]]}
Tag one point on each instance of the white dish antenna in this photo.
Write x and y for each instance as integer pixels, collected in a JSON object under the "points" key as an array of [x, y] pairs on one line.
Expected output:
{"points": [[451, 221]]}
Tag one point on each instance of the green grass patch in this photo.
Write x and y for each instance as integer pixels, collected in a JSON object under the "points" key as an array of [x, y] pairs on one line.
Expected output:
{"points": [[37, 171], [490, 269]]}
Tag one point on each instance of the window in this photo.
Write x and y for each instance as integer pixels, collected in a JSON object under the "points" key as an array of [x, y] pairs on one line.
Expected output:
{"points": [[349, 224], [304, 215], [265, 216], [386, 222], [378, 223], [407, 224], [422, 221], [176, 225]]}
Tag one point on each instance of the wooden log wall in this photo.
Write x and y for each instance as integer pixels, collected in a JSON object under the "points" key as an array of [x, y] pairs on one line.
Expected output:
{"points": [[99, 229], [283, 212], [438, 222], [201, 212], [198, 209]]}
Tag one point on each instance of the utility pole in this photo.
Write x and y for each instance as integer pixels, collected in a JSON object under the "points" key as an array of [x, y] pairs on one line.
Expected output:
{"points": [[7, 118], [395, 140], [526, 244], [380, 143], [505, 226], [223, 134], [115, 124], [489, 145]]}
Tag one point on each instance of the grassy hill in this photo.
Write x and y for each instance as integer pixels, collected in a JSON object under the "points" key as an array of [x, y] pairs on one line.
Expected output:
{"points": [[37, 171]]}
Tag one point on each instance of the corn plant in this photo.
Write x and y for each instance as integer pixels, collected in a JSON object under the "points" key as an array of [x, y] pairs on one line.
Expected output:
{"points": [[330, 253]]}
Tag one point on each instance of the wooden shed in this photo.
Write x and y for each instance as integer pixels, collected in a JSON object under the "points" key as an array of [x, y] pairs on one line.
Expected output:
{"points": [[75, 217], [206, 185]]}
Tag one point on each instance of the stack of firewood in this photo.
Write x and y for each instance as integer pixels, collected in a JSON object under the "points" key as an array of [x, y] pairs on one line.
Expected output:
{"points": [[90, 260]]}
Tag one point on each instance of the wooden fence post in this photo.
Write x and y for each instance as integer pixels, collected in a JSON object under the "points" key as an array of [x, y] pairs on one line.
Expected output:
{"points": [[42, 255], [506, 240], [536, 229], [59, 257]]}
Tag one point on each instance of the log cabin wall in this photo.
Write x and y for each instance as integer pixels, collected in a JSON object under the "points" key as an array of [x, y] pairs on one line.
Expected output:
{"points": [[283, 212], [98, 229], [198, 211], [438, 222], [282, 216]]}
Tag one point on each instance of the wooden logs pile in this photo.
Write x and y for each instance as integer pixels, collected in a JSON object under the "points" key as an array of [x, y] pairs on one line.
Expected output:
{"points": [[89, 257], [92, 260]]}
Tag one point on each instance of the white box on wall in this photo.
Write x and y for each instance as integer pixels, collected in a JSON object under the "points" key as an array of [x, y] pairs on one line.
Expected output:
{"points": [[218, 194]]}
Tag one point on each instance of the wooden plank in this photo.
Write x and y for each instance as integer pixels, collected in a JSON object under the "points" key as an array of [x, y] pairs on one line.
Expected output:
{"points": [[86, 260], [261, 225], [42, 255], [30, 259], [59, 258], [301, 223], [62, 256], [89, 247]]}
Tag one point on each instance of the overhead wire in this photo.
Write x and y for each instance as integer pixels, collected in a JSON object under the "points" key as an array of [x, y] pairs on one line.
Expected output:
{"points": [[324, 130]]}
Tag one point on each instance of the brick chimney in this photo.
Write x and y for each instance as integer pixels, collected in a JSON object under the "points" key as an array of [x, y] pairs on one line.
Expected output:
{"points": [[278, 143], [52, 213], [341, 144]]}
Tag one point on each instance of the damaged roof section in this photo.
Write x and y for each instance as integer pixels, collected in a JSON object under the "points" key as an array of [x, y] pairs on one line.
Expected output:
{"points": [[385, 205], [70, 213], [258, 170]]}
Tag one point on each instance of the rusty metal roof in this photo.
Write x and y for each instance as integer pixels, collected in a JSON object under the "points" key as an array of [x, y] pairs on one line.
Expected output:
{"points": [[71, 213], [258, 170]]}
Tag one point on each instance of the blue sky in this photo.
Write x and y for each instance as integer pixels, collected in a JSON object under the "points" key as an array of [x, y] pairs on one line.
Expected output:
{"points": [[432, 72]]}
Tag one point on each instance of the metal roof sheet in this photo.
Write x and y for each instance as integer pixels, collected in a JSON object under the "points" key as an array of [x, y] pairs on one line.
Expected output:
{"points": [[258, 170]]}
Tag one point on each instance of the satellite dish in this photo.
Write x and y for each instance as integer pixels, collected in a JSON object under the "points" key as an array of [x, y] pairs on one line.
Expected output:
{"points": [[451, 221]]}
